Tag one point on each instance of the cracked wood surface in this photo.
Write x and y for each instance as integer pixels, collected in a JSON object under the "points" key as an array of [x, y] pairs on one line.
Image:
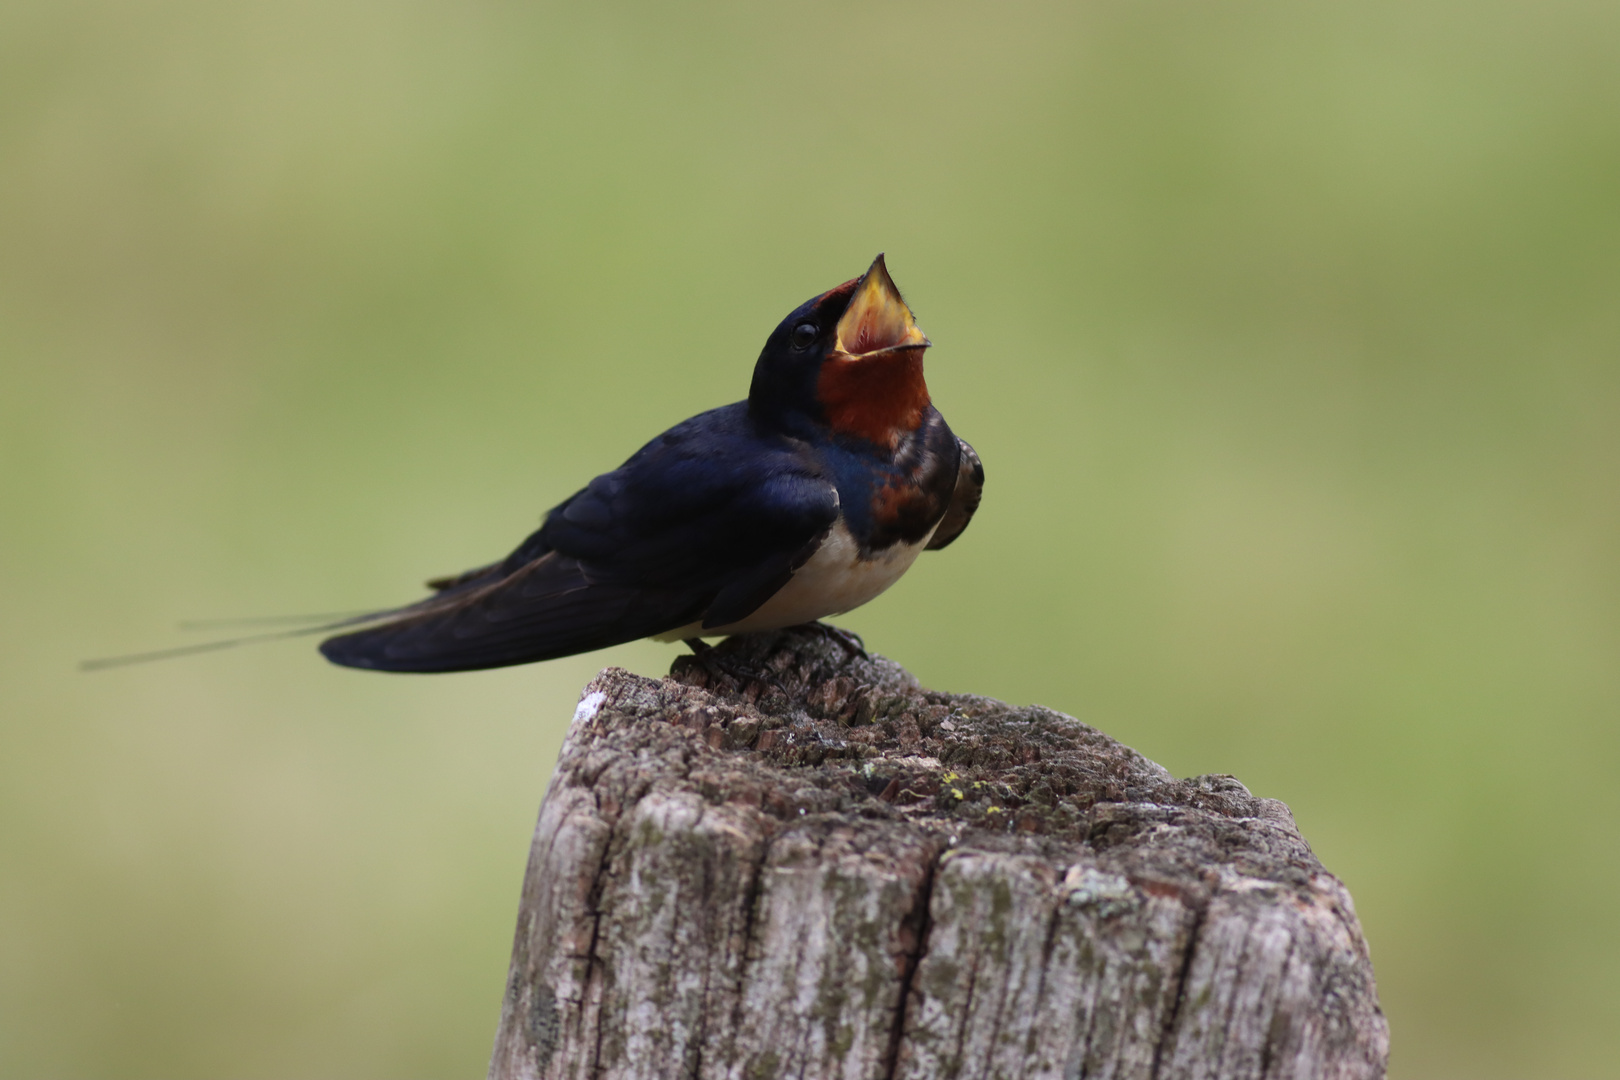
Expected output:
{"points": [[792, 862]]}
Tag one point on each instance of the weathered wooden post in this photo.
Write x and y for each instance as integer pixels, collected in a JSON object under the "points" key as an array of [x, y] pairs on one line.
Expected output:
{"points": [[833, 872]]}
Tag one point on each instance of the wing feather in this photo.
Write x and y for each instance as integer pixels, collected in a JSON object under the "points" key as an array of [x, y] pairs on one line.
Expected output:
{"points": [[706, 520], [964, 501]]}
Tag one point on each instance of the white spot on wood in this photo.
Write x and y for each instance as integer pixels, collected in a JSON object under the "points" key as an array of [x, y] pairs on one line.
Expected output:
{"points": [[588, 707]]}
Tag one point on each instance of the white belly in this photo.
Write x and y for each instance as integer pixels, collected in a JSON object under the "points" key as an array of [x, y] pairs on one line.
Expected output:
{"points": [[834, 580]]}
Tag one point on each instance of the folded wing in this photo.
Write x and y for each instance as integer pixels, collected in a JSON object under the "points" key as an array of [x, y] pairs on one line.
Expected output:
{"points": [[707, 518], [964, 501]]}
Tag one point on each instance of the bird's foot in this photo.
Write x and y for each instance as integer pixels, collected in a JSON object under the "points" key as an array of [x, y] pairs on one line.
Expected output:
{"points": [[719, 670], [849, 640]]}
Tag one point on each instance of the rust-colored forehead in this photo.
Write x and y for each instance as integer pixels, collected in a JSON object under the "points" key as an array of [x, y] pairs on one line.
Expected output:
{"points": [[838, 295]]}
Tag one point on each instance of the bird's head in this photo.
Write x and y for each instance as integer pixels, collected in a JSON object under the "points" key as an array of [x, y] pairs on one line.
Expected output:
{"points": [[850, 359]]}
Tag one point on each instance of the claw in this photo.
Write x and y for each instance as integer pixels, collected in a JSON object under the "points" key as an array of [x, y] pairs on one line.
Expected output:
{"points": [[717, 667], [849, 640]]}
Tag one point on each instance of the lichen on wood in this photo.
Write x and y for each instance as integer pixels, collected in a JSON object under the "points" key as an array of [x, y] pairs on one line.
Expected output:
{"points": [[787, 860]]}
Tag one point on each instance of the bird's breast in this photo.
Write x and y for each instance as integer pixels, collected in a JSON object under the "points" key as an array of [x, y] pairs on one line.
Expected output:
{"points": [[839, 577]]}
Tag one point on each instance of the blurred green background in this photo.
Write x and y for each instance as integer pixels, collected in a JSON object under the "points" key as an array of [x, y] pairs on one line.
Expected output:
{"points": [[1289, 334]]}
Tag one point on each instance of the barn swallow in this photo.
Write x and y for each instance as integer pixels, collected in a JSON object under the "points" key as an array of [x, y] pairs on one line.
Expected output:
{"points": [[804, 501]]}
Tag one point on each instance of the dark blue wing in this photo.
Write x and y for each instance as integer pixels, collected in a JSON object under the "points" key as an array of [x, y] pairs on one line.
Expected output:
{"points": [[703, 524]]}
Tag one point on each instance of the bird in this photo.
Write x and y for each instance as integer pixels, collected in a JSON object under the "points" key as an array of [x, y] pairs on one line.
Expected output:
{"points": [[801, 502]]}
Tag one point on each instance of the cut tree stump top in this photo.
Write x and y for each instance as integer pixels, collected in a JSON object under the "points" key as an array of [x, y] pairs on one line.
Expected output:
{"points": [[788, 861]]}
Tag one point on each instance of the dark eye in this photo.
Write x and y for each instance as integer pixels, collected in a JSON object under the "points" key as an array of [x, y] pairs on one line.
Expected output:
{"points": [[805, 334]]}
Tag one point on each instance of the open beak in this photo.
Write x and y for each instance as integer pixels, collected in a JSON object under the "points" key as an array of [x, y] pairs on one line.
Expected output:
{"points": [[877, 320]]}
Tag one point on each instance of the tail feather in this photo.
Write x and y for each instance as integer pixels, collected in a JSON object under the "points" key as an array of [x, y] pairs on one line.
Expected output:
{"points": [[484, 618], [105, 662], [270, 620], [544, 610], [448, 595]]}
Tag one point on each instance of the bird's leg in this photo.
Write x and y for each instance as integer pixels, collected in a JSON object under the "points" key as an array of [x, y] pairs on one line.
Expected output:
{"points": [[705, 656], [848, 639]]}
